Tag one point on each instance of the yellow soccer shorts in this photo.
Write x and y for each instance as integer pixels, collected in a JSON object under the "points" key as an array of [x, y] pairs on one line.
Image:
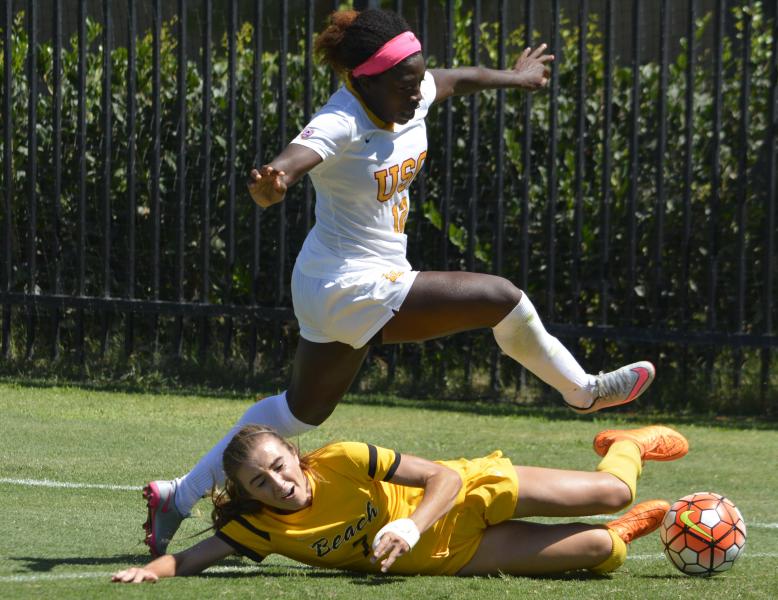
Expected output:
{"points": [[489, 495]]}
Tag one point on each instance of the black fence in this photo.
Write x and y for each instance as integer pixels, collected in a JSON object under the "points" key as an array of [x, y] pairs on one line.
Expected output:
{"points": [[634, 200]]}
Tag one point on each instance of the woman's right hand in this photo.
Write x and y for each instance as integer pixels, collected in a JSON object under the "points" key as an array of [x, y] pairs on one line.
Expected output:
{"points": [[135, 575], [267, 186]]}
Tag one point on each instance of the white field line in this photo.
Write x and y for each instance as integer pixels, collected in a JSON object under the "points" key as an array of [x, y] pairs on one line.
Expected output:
{"points": [[67, 484], [37, 577], [134, 488], [746, 554]]}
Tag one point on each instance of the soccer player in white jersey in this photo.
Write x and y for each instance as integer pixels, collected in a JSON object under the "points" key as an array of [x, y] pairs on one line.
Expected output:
{"points": [[352, 283]]}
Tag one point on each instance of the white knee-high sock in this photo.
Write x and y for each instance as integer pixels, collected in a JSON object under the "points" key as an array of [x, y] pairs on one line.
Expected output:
{"points": [[521, 336], [273, 411]]}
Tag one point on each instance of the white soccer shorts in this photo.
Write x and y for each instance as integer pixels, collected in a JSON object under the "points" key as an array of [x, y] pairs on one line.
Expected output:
{"points": [[350, 309]]}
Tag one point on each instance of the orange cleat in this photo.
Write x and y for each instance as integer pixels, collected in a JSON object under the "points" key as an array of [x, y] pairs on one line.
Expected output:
{"points": [[656, 442], [641, 520]]}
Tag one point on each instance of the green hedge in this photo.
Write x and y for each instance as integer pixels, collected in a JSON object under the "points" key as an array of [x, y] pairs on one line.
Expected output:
{"points": [[459, 366]]}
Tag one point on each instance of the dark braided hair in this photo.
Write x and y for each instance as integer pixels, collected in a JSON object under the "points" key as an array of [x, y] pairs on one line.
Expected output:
{"points": [[352, 37]]}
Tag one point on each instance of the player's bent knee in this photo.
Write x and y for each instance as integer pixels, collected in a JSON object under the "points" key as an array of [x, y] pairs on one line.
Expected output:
{"points": [[504, 293], [600, 545], [615, 495], [605, 555], [313, 415], [510, 294], [311, 410]]}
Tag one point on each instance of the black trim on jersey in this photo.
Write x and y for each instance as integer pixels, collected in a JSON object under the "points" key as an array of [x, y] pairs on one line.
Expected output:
{"points": [[373, 455], [251, 528], [372, 452], [393, 468], [240, 548]]}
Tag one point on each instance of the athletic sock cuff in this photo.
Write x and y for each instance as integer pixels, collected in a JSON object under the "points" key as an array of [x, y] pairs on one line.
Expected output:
{"points": [[617, 556], [624, 462], [521, 314], [289, 425]]}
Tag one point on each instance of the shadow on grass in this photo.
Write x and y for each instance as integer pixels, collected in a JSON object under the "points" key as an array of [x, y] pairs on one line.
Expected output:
{"points": [[306, 572], [561, 413], [37, 564], [378, 579], [673, 576], [569, 576], [476, 407], [236, 568], [34, 564]]}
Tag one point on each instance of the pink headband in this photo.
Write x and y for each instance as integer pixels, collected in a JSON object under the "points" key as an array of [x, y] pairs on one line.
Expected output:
{"points": [[392, 52]]}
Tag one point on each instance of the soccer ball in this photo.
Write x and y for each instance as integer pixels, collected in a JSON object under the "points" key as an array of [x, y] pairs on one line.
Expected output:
{"points": [[703, 534]]}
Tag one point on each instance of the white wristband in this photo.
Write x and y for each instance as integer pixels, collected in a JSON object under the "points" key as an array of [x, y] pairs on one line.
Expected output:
{"points": [[404, 528]]}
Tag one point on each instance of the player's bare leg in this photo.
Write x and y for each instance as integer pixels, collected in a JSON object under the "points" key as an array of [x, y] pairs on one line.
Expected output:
{"points": [[440, 303], [321, 375], [613, 486], [522, 548], [560, 493]]}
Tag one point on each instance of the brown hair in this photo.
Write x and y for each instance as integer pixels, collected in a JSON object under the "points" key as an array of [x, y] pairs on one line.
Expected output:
{"points": [[233, 499], [352, 37]]}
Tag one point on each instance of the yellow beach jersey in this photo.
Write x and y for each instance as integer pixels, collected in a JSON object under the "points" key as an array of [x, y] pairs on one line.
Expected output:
{"points": [[352, 501], [362, 197]]}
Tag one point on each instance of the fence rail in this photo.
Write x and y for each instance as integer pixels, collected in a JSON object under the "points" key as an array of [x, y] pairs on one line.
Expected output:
{"points": [[598, 204]]}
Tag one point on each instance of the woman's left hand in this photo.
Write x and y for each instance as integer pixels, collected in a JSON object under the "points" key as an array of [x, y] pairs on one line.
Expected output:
{"points": [[135, 575], [531, 67], [392, 547]]}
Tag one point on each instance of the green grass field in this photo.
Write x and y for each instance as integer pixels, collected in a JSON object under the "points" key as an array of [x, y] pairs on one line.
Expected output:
{"points": [[58, 541]]}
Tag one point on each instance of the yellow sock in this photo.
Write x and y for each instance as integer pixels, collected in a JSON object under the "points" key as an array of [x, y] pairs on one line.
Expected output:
{"points": [[616, 559], [623, 461]]}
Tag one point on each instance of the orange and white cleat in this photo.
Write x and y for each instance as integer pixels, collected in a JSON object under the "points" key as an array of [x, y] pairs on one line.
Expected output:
{"points": [[656, 442], [641, 520]]}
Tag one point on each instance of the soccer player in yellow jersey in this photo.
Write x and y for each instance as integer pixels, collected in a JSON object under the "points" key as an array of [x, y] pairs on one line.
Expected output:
{"points": [[363, 508]]}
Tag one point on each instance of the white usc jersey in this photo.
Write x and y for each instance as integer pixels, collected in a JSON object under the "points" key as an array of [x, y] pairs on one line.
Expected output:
{"points": [[362, 196]]}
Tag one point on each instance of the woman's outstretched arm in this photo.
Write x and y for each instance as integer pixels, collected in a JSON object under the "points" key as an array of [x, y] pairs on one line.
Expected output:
{"points": [[268, 184], [530, 73], [189, 562]]}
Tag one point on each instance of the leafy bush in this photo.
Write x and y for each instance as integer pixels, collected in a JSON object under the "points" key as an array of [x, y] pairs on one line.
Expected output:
{"points": [[660, 296]]}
